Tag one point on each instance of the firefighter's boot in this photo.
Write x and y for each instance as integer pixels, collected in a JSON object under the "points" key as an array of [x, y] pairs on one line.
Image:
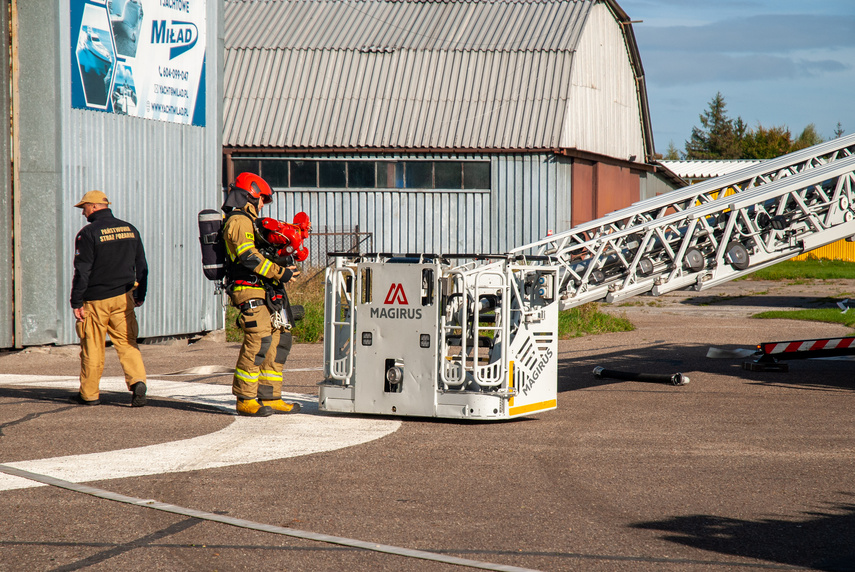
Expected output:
{"points": [[279, 406], [252, 408]]}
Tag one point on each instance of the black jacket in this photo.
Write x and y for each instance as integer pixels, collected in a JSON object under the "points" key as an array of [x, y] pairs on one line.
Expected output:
{"points": [[108, 259]]}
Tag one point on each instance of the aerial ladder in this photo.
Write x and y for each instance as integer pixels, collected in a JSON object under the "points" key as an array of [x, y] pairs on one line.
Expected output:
{"points": [[475, 336]]}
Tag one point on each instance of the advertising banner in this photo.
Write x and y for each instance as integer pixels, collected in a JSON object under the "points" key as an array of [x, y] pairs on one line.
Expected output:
{"points": [[143, 58]]}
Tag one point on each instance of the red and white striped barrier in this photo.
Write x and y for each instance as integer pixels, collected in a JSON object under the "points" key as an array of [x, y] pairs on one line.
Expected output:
{"points": [[772, 348]]}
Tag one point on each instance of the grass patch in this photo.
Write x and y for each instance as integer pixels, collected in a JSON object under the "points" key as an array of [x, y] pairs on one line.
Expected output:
{"points": [[309, 294], [810, 269], [587, 320], [233, 333], [830, 315], [303, 291]]}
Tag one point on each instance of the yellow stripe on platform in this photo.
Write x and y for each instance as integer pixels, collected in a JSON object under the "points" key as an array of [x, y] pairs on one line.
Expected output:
{"points": [[552, 403], [511, 383]]}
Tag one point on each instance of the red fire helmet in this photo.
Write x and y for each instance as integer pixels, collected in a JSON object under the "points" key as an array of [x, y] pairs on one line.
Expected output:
{"points": [[255, 186]]}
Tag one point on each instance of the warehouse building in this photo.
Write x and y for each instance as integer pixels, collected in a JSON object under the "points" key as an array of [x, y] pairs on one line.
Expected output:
{"points": [[121, 97], [453, 126]]}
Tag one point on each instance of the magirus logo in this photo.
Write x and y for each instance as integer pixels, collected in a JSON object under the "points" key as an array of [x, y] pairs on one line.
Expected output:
{"points": [[180, 35], [396, 295]]}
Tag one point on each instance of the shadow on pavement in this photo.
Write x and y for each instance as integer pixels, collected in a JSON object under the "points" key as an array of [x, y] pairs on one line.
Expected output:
{"points": [[772, 302], [576, 373], [822, 541], [108, 399]]}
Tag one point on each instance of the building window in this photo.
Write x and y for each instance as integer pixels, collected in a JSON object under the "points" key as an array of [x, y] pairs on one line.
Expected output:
{"points": [[389, 176], [418, 175], [303, 173], [275, 173], [332, 174], [360, 174], [449, 175], [476, 175], [246, 166]]}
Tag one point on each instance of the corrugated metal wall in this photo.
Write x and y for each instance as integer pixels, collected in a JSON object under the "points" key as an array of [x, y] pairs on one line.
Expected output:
{"points": [[157, 174], [6, 271], [529, 197], [652, 185], [604, 114], [840, 250]]}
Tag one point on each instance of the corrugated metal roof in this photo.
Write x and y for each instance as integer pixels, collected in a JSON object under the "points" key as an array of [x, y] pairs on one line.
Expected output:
{"points": [[404, 74], [420, 25], [408, 98], [708, 169]]}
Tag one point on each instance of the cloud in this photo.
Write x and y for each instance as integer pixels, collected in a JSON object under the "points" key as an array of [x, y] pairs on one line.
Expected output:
{"points": [[691, 4], [688, 68], [754, 34]]}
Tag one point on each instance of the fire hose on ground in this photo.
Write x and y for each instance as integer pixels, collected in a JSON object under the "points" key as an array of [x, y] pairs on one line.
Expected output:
{"points": [[673, 379]]}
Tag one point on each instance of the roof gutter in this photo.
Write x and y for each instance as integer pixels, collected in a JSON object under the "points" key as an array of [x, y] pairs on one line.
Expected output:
{"points": [[230, 151], [638, 71], [597, 158]]}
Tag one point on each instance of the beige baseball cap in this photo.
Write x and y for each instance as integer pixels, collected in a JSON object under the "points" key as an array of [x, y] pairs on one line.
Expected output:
{"points": [[93, 197]]}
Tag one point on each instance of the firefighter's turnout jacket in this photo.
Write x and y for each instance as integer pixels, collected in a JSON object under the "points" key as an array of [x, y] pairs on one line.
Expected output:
{"points": [[248, 270]]}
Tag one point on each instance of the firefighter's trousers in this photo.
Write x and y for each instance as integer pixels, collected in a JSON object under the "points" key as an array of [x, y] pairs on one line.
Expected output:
{"points": [[258, 372], [114, 316]]}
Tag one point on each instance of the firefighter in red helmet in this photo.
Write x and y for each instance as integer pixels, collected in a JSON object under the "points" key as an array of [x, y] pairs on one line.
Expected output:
{"points": [[256, 288]]}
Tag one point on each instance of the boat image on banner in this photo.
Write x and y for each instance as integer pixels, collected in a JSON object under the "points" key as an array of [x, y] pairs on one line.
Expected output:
{"points": [[140, 58]]}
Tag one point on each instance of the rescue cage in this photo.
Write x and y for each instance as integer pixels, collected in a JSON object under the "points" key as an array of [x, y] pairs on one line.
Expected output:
{"points": [[484, 330]]}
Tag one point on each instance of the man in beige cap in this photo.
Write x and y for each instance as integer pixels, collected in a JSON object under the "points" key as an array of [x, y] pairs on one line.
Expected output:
{"points": [[110, 280]]}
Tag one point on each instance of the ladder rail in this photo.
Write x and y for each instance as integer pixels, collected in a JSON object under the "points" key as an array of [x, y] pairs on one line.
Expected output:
{"points": [[494, 373], [339, 362], [452, 372], [816, 206], [695, 195]]}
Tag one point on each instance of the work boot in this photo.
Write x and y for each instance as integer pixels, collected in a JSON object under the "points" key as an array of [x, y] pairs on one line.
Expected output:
{"points": [[78, 399], [138, 390], [252, 408], [279, 406]]}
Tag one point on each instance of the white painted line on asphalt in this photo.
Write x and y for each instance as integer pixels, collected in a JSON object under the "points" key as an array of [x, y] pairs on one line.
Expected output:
{"points": [[245, 440], [217, 369], [248, 524]]}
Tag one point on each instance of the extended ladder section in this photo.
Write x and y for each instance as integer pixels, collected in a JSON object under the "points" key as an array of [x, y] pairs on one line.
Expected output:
{"points": [[424, 335], [706, 234]]}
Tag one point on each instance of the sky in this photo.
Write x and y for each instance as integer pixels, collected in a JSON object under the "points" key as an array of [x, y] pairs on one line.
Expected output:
{"points": [[776, 62]]}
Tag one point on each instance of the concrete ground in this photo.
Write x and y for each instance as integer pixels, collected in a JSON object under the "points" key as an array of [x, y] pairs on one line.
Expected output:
{"points": [[737, 470]]}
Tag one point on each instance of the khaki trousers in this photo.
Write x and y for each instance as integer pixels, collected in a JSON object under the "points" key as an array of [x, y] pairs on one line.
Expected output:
{"points": [[114, 316], [258, 372]]}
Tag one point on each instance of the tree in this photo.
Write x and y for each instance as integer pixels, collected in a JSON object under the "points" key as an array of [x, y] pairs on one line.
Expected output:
{"points": [[672, 154], [838, 131], [763, 143], [718, 137], [807, 138]]}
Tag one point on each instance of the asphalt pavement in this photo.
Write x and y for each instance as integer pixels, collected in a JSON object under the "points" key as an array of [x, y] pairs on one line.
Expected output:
{"points": [[738, 470]]}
